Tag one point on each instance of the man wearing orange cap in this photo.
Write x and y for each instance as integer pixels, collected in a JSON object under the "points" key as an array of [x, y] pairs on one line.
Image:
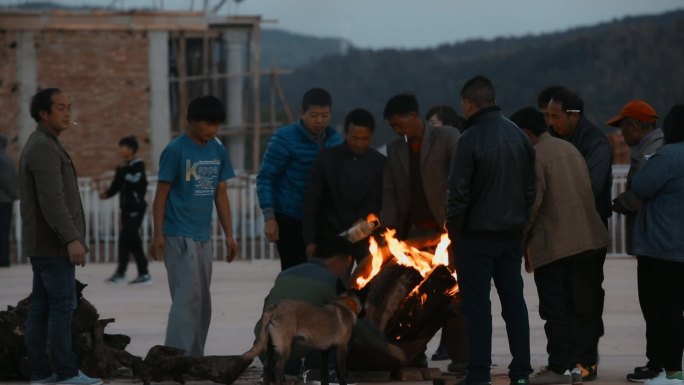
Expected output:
{"points": [[637, 122]]}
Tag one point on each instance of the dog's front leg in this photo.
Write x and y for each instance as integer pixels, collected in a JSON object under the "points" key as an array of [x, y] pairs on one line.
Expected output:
{"points": [[341, 355]]}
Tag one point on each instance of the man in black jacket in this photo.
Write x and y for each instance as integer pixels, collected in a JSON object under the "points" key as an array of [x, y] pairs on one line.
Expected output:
{"points": [[130, 182], [565, 114], [345, 184], [491, 189]]}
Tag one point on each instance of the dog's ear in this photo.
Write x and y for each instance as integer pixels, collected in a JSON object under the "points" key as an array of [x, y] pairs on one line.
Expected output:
{"points": [[340, 287]]}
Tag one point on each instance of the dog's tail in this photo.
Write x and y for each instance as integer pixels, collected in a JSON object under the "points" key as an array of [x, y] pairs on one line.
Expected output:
{"points": [[261, 341]]}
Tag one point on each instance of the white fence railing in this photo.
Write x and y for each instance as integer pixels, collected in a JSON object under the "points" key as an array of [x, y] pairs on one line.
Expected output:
{"points": [[102, 221]]}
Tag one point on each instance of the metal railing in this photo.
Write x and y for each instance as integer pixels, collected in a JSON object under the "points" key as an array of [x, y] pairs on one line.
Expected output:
{"points": [[102, 221]]}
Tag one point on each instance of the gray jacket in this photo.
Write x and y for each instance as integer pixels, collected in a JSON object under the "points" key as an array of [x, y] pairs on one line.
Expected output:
{"points": [[51, 208], [8, 175], [659, 225], [630, 203], [436, 156]]}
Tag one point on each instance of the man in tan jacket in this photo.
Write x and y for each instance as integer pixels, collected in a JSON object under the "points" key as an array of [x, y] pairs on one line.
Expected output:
{"points": [[562, 231], [53, 232]]}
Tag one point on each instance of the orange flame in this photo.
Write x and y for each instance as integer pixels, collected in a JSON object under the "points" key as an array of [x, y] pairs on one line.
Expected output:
{"points": [[376, 263], [405, 255]]}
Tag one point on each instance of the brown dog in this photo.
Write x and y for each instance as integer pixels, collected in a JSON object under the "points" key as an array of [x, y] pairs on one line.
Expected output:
{"points": [[317, 327]]}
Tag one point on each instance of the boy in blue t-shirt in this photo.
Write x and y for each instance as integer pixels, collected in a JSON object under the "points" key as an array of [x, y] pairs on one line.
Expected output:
{"points": [[193, 170]]}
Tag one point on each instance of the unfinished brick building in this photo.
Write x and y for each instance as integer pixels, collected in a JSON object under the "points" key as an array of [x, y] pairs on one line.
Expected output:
{"points": [[128, 73]]}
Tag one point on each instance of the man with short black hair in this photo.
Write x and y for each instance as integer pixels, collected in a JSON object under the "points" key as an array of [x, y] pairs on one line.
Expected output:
{"points": [[491, 189], [565, 113], [284, 172], [563, 227], [416, 171], [53, 237], [637, 123], [543, 99], [345, 184], [193, 173]]}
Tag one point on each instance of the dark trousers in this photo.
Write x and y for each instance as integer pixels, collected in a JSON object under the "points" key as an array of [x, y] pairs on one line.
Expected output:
{"points": [[661, 296], [5, 227], [291, 246], [48, 322], [588, 295], [554, 287], [647, 281], [477, 263], [130, 243]]}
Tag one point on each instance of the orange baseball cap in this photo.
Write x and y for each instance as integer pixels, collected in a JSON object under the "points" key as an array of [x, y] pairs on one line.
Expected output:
{"points": [[635, 109]]}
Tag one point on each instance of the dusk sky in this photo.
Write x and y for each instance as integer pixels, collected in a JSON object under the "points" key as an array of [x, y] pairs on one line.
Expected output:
{"points": [[416, 23]]}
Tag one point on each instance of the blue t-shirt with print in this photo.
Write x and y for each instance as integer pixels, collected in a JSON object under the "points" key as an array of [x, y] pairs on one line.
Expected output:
{"points": [[194, 171]]}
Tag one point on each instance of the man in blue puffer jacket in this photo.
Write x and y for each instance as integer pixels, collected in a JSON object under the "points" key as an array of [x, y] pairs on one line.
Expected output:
{"points": [[284, 173]]}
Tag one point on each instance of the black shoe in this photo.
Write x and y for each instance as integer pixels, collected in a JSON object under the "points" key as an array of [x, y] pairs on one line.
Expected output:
{"points": [[457, 367], [334, 379], [466, 382], [641, 374], [441, 354], [419, 362]]}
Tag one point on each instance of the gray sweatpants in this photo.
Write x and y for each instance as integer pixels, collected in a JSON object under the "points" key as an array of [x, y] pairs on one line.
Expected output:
{"points": [[188, 267]]}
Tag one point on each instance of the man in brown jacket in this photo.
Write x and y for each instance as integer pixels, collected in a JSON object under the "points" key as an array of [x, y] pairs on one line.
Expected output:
{"points": [[563, 230], [53, 231]]}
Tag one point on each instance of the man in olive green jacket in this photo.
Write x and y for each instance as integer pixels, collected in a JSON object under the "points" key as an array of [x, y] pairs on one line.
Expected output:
{"points": [[53, 231]]}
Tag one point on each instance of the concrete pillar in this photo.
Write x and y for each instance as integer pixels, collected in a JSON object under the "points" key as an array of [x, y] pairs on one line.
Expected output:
{"points": [[27, 76], [160, 112], [235, 42]]}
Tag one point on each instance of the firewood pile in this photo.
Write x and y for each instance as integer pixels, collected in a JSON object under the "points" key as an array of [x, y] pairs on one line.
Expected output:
{"points": [[104, 355]]}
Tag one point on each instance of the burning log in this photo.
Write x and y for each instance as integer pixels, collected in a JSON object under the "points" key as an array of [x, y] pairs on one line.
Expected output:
{"points": [[388, 290], [423, 312], [409, 289]]}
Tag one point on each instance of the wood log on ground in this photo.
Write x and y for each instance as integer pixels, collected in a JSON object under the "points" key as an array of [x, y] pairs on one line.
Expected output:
{"points": [[103, 355], [422, 313], [164, 363]]}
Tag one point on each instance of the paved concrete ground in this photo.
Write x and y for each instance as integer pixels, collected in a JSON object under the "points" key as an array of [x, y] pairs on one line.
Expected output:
{"points": [[238, 290]]}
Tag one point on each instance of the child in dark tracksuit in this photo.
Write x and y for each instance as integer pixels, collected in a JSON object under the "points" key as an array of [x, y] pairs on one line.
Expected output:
{"points": [[131, 184]]}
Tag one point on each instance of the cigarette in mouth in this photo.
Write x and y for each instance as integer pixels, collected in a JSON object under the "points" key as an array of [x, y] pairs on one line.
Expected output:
{"points": [[405, 138], [75, 123]]}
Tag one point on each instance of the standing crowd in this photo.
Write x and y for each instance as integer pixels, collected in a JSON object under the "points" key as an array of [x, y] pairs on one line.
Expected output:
{"points": [[533, 187]]}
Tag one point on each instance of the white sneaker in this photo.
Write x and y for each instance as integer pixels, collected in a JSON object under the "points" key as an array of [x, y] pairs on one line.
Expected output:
{"points": [[664, 379]]}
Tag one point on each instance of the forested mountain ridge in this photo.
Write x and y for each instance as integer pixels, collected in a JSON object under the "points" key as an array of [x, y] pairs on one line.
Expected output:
{"points": [[607, 65]]}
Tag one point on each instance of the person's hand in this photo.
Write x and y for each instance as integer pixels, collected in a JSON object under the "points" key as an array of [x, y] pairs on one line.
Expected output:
{"points": [[617, 207], [76, 252], [271, 230], [310, 250], [156, 250], [231, 246], [103, 195]]}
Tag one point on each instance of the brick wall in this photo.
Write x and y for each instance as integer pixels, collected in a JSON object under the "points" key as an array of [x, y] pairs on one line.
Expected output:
{"points": [[8, 90], [106, 75], [620, 148]]}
